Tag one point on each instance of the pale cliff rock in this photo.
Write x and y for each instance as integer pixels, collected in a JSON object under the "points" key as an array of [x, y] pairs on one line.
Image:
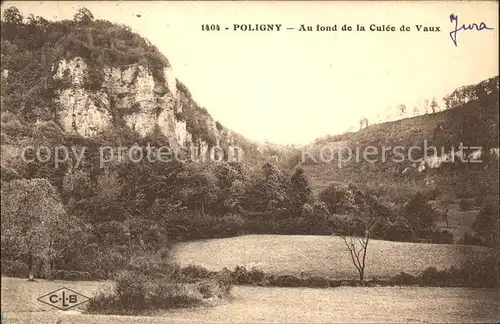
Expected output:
{"points": [[143, 101]]}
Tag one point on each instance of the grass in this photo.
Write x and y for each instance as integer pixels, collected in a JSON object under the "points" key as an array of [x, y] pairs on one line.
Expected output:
{"points": [[20, 295], [324, 256], [266, 305]]}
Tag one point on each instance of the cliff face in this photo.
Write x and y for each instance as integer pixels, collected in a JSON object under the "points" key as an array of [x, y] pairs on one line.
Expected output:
{"points": [[133, 94]]}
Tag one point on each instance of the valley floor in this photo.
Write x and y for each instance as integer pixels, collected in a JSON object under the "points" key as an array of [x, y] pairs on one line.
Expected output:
{"points": [[278, 305]]}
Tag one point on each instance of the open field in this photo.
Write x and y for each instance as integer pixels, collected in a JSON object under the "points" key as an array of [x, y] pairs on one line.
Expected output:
{"points": [[321, 255], [278, 305]]}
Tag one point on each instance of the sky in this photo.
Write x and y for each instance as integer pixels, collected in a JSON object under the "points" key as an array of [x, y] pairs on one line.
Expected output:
{"points": [[291, 87]]}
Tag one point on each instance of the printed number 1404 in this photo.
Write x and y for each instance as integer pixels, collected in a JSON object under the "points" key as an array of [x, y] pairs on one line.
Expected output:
{"points": [[207, 27]]}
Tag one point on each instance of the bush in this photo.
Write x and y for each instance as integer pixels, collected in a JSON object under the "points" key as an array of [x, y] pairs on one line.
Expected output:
{"points": [[465, 204], [148, 266], [243, 276], [135, 293], [130, 290], [225, 280], [230, 225], [165, 295], [403, 279], [432, 277], [103, 303], [433, 193], [195, 272], [441, 237], [286, 281], [317, 282], [399, 229]]}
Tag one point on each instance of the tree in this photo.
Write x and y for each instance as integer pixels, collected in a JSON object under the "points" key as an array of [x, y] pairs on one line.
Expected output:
{"points": [[402, 109], [338, 197], [12, 15], [420, 214], [486, 224], [66, 240], [444, 204], [357, 244], [83, 15], [434, 105], [230, 180], [33, 217], [197, 187], [415, 111], [426, 106], [267, 192], [300, 190]]}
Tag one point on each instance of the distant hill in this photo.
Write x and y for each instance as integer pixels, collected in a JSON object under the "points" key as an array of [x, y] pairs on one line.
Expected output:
{"points": [[474, 123]]}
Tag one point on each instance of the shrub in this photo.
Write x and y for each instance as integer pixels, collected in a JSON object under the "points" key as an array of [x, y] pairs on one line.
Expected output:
{"points": [[165, 295], [195, 272], [130, 290], [225, 280], [149, 266], [403, 279], [433, 193], [441, 237], [465, 204], [243, 276], [432, 277], [317, 282], [399, 229], [217, 288], [135, 293], [103, 303], [286, 281], [230, 225]]}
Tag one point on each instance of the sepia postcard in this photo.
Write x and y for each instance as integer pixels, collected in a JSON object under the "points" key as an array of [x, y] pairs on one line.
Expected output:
{"points": [[249, 162]]}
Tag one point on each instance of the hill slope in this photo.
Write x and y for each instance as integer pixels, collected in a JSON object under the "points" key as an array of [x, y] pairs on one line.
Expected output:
{"points": [[475, 124], [97, 79]]}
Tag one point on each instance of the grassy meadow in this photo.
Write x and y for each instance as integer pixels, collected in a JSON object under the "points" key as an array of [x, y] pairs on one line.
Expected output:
{"points": [[325, 256]]}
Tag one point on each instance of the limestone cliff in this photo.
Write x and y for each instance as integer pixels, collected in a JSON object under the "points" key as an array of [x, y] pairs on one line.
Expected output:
{"points": [[144, 99]]}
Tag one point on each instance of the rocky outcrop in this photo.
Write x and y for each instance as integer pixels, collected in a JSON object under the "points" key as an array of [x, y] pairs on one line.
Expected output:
{"points": [[435, 161], [142, 98]]}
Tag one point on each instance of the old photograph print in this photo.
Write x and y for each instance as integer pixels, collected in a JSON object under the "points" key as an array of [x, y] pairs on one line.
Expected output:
{"points": [[249, 162]]}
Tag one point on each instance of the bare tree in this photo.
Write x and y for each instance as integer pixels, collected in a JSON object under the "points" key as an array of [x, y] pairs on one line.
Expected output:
{"points": [[444, 206], [356, 244]]}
